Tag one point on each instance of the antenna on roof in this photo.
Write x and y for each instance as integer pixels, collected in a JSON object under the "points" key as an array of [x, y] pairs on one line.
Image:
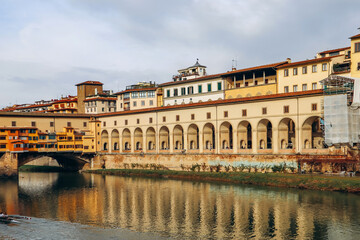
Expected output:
{"points": [[234, 65]]}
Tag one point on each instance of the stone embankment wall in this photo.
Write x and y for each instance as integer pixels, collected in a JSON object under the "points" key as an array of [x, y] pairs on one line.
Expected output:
{"points": [[8, 165]]}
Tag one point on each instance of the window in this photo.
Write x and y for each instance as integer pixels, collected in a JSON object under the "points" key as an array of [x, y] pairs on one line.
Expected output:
{"points": [[151, 102], [150, 120], [177, 118], [103, 109], [164, 119], [256, 82], [226, 114], [286, 72], [314, 86], [151, 93], [208, 115], [266, 81], [304, 87], [104, 124], [135, 94], [183, 91], [126, 122], [120, 105], [295, 88], [219, 86], [358, 67], [142, 94], [314, 68], [175, 92], [200, 88], [192, 116], [295, 71], [115, 123], [134, 103], [84, 124], [357, 47], [286, 89], [33, 124], [190, 90], [51, 124], [264, 110], [324, 66], [286, 109], [142, 103], [168, 93], [138, 121], [244, 113], [304, 70], [314, 107], [246, 84], [209, 87], [13, 123], [69, 124]]}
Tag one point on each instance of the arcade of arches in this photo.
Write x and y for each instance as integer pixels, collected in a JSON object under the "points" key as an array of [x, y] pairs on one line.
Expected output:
{"points": [[263, 136]]}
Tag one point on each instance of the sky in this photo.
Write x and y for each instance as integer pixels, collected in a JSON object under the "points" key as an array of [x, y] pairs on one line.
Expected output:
{"points": [[46, 47]]}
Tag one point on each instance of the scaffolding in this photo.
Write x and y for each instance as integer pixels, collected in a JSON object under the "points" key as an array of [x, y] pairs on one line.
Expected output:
{"points": [[341, 110]]}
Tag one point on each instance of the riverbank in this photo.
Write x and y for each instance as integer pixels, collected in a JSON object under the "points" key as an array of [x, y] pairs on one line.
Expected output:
{"points": [[34, 168], [314, 182]]}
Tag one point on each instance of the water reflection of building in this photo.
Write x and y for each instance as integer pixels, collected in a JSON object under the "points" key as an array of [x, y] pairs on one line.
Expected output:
{"points": [[34, 184], [187, 209]]}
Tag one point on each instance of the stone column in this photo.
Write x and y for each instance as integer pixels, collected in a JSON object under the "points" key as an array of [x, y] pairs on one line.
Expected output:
{"points": [[254, 141], [144, 147], [275, 140], [201, 142], [110, 143], [171, 143], [235, 140], [132, 136], [120, 143], [185, 140]]}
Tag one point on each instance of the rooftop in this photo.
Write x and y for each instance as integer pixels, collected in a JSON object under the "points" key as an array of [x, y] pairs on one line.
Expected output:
{"points": [[90, 83], [315, 60]]}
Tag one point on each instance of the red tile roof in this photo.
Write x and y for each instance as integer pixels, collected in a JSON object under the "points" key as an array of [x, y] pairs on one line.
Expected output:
{"points": [[190, 80], [136, 90], [224, 101], [272, 65], [334, 50], [90, 83], [100, 99], [306, 62], [355, 36], [65, 100]]}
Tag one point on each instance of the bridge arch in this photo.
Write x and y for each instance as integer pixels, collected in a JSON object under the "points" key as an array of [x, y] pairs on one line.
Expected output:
{"points": [[164, 138], [150, 139], [193, 137], [104, 140], [126, 139], [178, 137], [244, 132], [115, 140], [264, 132]]}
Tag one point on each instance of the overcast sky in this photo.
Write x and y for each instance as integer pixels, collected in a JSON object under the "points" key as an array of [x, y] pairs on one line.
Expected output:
{"points": [[46, 47]]}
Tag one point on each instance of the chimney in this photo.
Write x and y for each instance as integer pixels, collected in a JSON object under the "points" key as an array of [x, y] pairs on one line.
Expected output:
{"points": [[233, 68], [96, 92], [288, 60]]}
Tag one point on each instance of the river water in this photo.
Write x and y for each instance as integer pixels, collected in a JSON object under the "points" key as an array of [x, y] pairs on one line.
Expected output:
{"points": [[91, 206]]}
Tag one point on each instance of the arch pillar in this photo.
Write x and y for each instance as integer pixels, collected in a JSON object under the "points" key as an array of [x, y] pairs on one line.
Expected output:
{"points": [[171, 143], [132, 134], [299, 141], [275, 139], [120, 143], [235, 140], [201, 141], [144, 145], [185, 139], [254, 140], [110, 142], [157, 140]]}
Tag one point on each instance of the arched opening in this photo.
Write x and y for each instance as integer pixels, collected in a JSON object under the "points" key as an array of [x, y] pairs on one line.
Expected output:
{"points": [[244, 135], [150, 138], [287, 134], [138, 137], [104, 140], [126, 139], [265, 134], [178, 137], [312, 134], [209, 136], [193, 137], [226, 135], [115, 139], [164, 138]]}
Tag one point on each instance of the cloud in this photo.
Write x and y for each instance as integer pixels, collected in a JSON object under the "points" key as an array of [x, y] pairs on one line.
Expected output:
{"points": [[48, 46]]}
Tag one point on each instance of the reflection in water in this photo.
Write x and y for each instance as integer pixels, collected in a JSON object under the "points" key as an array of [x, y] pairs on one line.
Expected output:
{"points": [[183, 209]]}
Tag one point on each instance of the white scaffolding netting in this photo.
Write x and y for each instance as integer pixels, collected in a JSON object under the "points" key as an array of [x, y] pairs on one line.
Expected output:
{"points": [[341, 121]]}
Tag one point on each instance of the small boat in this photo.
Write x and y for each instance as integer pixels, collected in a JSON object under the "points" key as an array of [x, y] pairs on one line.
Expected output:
{"points": [[6, 220]]}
